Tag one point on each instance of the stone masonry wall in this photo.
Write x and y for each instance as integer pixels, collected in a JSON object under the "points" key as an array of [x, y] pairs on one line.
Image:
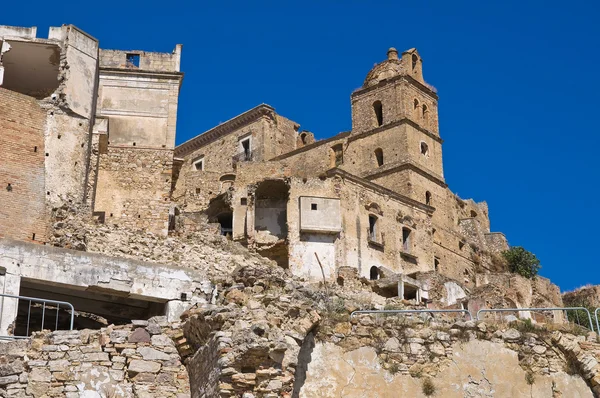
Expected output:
{"points": [[137, 360], [134, 186], [23, 213]]}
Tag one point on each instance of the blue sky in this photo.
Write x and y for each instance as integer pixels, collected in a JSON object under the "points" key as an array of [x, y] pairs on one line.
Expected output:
{"points": [[517, 80]]}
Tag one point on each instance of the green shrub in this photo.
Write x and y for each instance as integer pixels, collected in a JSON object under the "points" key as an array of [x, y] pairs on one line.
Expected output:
{"points": [[522, 262]]}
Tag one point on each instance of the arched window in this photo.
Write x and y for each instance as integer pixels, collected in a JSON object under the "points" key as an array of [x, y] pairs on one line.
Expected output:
{"points": [[227, 181], [473, 214], [379, 156], [378, 109], [425, 112], [415, 59], [303, 138], [374, 273], [337, 155], [416, 103], [424, 149], [428, 198]]}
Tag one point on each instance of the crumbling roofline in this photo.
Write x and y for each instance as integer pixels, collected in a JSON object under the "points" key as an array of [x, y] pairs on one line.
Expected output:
{"points": [[223, 129], [315, 144]]}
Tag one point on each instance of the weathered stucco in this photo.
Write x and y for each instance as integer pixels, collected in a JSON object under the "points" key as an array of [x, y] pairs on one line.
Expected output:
{"points": [[478, 369]]}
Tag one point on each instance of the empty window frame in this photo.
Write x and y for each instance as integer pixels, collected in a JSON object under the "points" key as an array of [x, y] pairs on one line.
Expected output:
{"points": [[338, 155], [132, 60], [246, 148], [378, 109], [373, 227], [406, 232], [436, 264], [424, 149], [428, 198], [198, 164], [379, 157]]}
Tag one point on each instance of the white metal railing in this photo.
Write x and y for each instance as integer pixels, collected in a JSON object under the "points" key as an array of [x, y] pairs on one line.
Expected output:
{"points": [[44, 302], [409, 312], [539, 309]]}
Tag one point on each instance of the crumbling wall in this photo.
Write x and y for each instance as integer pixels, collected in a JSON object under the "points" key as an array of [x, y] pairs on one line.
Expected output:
{"points": [[134, 186], [66, 149], [149, 61], [133, 360], [23, 212], [588, 296]]}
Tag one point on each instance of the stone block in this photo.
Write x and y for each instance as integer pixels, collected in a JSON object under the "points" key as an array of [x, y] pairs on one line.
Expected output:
{"points": [[151, 354], [140, 366], [139, 335]]}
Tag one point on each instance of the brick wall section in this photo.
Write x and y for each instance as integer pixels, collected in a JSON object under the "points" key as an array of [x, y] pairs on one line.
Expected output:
{"points": [[23, 209]]}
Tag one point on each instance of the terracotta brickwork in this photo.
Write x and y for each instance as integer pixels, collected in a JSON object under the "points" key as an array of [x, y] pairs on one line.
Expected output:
{"points": [[22, 197]]}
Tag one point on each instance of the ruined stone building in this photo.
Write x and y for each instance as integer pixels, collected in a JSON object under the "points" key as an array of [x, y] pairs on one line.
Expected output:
{"points": [[92, 127], [229, 266], [93, 131], [373, 198]]}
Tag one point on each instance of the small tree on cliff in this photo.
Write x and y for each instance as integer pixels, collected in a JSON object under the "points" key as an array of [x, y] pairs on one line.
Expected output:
{"points": [[522, 262]]}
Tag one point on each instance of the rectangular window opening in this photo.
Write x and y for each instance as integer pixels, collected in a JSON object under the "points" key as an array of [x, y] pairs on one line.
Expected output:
{"points": [[313, 206], [373, 227], [244, 201], [133, 60], [406, 240], [199, 164]]}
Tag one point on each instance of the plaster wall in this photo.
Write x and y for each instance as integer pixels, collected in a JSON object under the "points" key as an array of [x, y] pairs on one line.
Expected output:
{"points": [[142, 109], [80, 71], [66, 147], [320, 214], [479, 369], [83, 270]]}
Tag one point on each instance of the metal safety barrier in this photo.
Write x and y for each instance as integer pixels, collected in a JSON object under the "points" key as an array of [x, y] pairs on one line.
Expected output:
{"points": [[37, 300], [597, 324], [540, 309], [408, 312]]}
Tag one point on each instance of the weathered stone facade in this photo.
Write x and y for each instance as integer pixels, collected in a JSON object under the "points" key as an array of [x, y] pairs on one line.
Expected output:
{"points": [[397, 213], [248, 247]]}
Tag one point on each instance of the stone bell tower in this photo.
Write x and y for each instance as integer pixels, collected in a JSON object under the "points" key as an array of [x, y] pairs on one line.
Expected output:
{"points": [[395, 139]]}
